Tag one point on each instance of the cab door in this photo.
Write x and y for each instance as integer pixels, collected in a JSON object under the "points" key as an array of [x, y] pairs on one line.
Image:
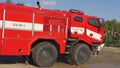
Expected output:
{"points": [[77, 26], [93, 30]]}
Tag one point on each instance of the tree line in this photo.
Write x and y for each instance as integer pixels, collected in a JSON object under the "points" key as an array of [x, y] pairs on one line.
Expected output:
{"points": [[11, 2], [112, 33]]}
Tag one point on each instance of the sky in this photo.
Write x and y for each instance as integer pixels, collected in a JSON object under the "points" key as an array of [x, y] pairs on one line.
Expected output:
{"points": [[107, 9]]}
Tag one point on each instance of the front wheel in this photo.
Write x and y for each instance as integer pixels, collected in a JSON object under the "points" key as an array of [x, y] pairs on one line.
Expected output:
{"points": [[80, 54], [44, 54]]}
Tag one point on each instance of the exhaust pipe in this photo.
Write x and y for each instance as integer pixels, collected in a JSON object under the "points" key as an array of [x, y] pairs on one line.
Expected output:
{"points": [[38, 4]]}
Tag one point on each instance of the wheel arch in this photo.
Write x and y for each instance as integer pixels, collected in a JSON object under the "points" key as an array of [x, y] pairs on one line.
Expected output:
{"points": [[81, 41], [45, 40]]}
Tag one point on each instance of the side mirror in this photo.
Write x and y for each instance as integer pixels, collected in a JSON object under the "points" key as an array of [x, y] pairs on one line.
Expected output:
{"points": [[102, 21]]}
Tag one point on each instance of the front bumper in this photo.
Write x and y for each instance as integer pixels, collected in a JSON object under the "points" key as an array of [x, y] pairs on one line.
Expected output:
{"points": [[101, 46], [98, 48]]}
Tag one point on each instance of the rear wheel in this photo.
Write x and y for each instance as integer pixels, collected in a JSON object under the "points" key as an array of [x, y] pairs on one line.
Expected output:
{"points": [[80, 54], [44, 54]]}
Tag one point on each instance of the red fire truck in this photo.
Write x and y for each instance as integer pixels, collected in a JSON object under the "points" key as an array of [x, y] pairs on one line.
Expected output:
{"points": [[43, 35]]}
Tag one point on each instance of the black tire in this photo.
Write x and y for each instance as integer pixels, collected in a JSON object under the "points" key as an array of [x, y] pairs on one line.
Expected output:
{"points": [[66, 59], [80, 54], [30, 58], [44, 54]]}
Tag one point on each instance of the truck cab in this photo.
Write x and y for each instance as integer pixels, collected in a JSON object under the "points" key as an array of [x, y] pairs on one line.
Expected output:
{"points": [[86, 28]]}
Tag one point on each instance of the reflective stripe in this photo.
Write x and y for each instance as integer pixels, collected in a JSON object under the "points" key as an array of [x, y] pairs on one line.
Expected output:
{"points": [[38, 27], [21, 26], [94, 34], [81, 30], [77, 29], [18, 25]]}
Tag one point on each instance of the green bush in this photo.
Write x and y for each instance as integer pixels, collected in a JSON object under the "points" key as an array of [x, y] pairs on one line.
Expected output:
{"points": [[112, 41]]}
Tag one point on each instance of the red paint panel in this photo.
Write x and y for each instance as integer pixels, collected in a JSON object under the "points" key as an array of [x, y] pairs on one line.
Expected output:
{"points": [[61, 33], [63, 22], [9, 33], [62, 29], [55, 28], [46, 28], [61, 41], [39, 18], [47, 20], [1, 14], [12, 47], [12, 15]]}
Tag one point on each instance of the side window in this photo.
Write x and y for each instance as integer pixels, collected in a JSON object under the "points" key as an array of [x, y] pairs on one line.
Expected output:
{"points": [[94, 22], [77, 18]]}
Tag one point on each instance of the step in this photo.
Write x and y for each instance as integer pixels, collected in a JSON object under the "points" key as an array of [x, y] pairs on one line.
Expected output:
{"points": [[72, 39]]}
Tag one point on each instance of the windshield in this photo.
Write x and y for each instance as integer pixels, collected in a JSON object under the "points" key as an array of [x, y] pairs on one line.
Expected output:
{"points": [[94, 22]]}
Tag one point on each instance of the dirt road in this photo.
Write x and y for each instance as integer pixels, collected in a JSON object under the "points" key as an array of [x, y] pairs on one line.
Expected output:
{"points": [[108, 58]]}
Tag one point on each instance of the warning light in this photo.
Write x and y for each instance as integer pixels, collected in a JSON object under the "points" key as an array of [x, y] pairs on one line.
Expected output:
{"points": [[64, 14]]}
